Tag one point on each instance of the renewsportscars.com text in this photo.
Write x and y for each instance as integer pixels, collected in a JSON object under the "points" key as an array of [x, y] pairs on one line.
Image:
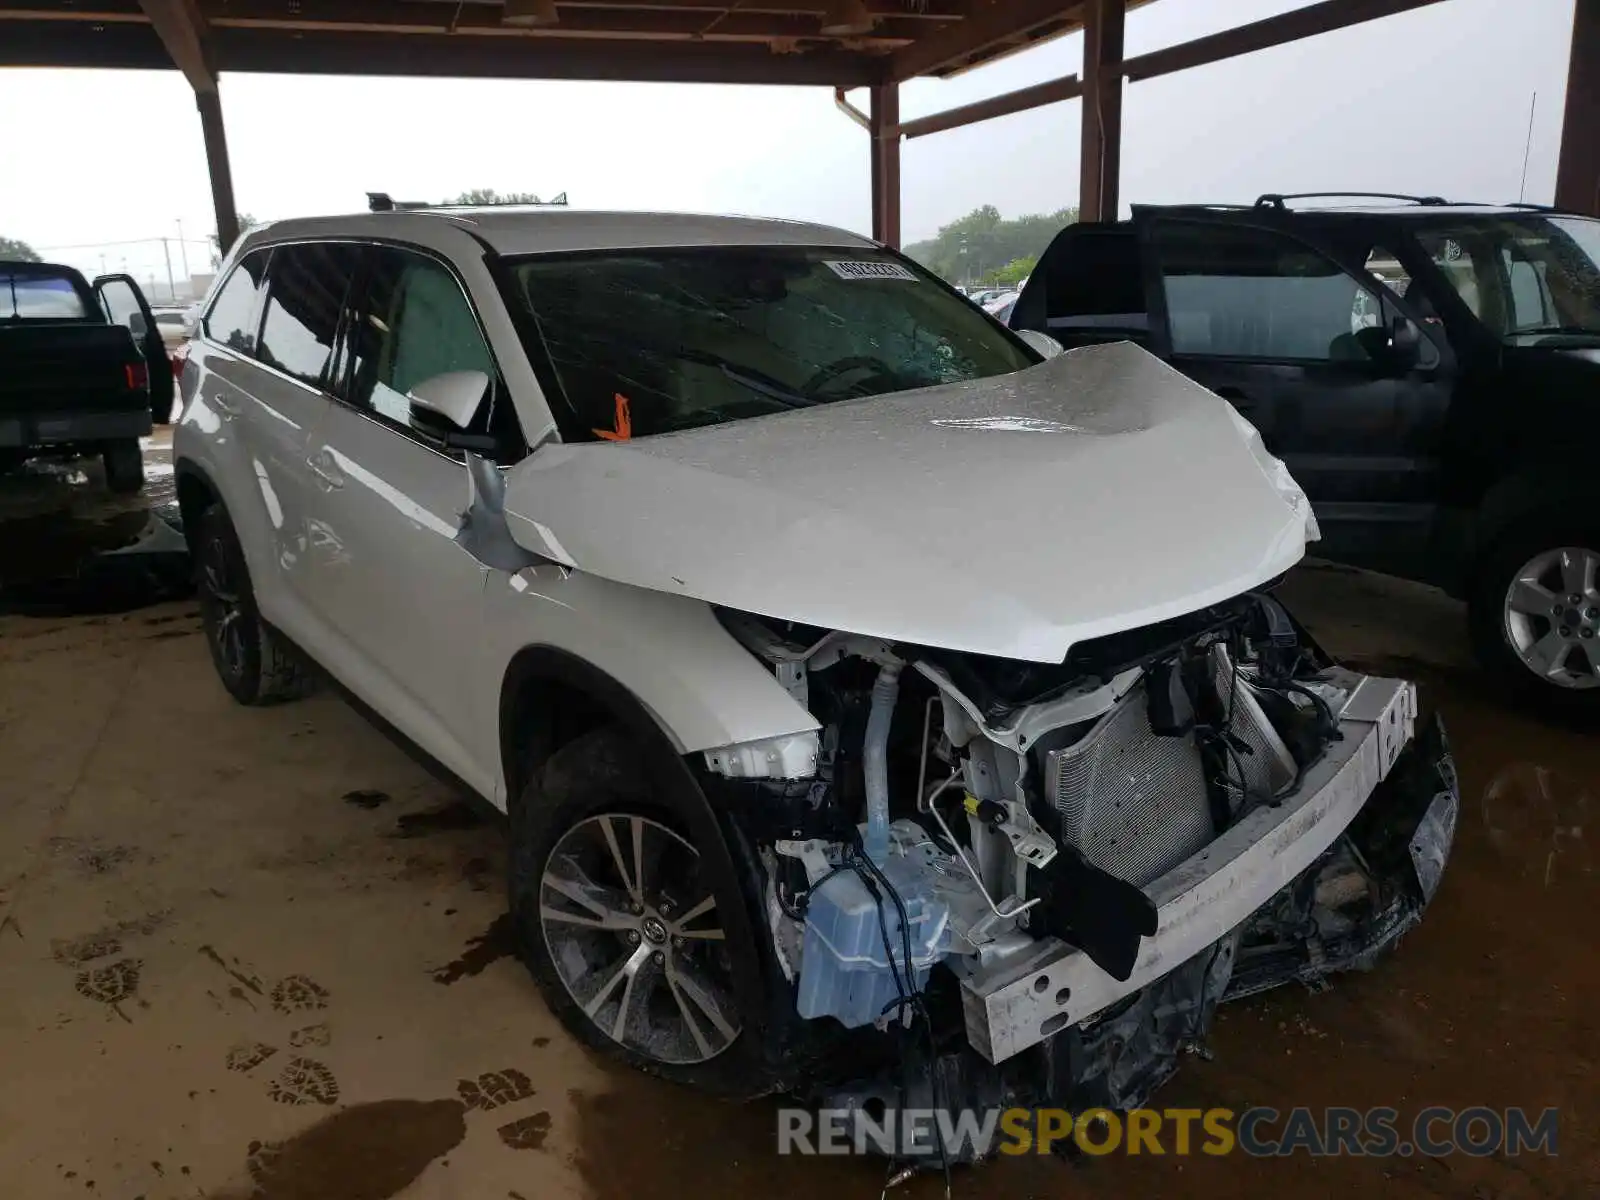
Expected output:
{"points": [[1259, 1132]]}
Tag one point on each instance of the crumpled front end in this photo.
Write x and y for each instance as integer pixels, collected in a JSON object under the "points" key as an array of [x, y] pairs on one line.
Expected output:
{"points": [[1354, 902], [989, 882]]}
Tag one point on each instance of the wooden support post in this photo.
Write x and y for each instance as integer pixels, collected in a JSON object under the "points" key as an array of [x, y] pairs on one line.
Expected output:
{"points": [[210, 105], [1578, 172], [1101, 159], [884, 128]]}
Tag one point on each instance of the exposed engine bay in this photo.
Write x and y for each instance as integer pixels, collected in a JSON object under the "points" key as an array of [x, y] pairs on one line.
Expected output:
{"points": [[995, 881]]}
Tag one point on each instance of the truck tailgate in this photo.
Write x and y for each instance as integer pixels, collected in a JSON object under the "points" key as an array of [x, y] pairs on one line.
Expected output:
{"points": [[59, 367]]}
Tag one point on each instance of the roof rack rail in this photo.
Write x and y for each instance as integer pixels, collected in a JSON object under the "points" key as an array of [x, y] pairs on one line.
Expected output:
{"points": [[1192, 206], [1280, 199], [1529, 206], [383, 202]]}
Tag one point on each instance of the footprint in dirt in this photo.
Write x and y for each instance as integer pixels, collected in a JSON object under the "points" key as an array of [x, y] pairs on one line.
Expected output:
{"points": [[298, 993], [302, 1079], [496, 1089], [108, 983], [111, 984], [245, 1057]]}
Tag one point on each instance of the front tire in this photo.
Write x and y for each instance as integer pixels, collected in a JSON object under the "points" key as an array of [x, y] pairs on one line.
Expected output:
{"points": [[251, 660], [617, 915], [1535, 613], [124, 465]]}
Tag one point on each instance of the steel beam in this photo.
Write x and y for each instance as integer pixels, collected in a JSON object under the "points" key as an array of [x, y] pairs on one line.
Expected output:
{"points": [[182, 31], [1291, 26], [482, 20], [1100, 156], [210, 105], [992, 28], [1053, 91], [884, 128], [1578, 171]]}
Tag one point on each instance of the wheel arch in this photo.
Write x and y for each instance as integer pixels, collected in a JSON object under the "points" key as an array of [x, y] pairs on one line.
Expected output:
{"points": [[1531, 492], [196, 493], [550, 696]]}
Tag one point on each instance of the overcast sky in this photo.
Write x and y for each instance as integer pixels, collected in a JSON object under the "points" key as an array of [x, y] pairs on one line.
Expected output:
{"points": [[1434, 101]]}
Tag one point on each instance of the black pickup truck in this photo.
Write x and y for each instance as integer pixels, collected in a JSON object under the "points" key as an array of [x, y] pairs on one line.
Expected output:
{"points": [[1426, 369], [82, 369]]}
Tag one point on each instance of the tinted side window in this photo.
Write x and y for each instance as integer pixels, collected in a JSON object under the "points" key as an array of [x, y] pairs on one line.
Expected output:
{"points": [[305, 295], [1238, 292], [415, 323], [1097, 273], [232, 319]]}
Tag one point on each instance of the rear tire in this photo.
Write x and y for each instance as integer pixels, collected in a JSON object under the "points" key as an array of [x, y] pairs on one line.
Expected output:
{"points": [[591, 924], [124, 465], [252, 661], [1526, 627]]}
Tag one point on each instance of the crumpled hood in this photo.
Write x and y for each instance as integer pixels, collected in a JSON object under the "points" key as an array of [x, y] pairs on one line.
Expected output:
{"points": [[1012, 516]]}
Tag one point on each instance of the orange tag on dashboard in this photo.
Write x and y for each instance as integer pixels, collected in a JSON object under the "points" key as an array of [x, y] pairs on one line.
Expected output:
{"points": [[624, 422]]}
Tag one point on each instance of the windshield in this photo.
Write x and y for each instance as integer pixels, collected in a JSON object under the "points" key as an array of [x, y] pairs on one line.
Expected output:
{"points": [[39, 294], [1525, 277], [651, 341]]}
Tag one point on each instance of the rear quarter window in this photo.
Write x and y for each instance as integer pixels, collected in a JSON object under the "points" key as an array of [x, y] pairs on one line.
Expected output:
{"points": [[234, 315]]}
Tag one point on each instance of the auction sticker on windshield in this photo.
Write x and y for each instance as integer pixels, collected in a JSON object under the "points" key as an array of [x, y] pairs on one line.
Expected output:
{"points": [[871, 270]]}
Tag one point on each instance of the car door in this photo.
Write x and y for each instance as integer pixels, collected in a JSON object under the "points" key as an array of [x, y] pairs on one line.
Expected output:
{"points": [[124, 303], [1307, 351], [402, 597], [281, 394]]}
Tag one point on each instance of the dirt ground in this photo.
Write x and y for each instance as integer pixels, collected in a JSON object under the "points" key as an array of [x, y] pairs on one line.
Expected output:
{"points": [[260, 952]]}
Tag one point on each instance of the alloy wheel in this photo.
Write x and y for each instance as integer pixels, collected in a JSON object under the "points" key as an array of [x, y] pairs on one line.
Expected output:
{"points": [[224, 610], [632, 929], [1552, 617]]}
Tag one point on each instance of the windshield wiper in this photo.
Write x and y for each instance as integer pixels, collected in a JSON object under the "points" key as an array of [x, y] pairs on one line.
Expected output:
{"points": [[756, 381]]}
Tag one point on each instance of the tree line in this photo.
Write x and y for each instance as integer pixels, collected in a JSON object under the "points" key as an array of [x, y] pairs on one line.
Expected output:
{"points": [[984, 247]]}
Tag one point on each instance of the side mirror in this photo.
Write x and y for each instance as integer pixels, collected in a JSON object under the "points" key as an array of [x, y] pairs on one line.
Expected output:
{"points": [[1046, 346], [137, 326], [454, 395], [1405, 341]]}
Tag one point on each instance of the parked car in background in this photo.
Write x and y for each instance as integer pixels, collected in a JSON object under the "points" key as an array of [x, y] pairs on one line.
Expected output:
{"points": [[1425, 370], [743, 565], [1001, 306], [172, 322], [177, 326], [75, 372]]}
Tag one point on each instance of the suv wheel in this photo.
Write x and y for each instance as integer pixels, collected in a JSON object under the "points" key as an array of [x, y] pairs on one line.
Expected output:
{"points": [[617, 917], [251, 660], [124, 465], [1536, 613]]}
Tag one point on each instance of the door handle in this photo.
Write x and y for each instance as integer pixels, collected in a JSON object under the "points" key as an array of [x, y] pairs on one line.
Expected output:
{"points": [[328, 476], [228, 408]]}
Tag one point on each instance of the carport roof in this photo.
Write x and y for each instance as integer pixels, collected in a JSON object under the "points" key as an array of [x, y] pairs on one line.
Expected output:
{"points": [[709, 41]]}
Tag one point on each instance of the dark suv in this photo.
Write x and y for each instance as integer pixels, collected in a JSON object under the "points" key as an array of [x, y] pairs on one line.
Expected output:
{"points": [[1426, 369]]}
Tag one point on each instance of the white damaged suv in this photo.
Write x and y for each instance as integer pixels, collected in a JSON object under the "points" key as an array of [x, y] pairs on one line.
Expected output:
{"points": [[886, 708]]}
